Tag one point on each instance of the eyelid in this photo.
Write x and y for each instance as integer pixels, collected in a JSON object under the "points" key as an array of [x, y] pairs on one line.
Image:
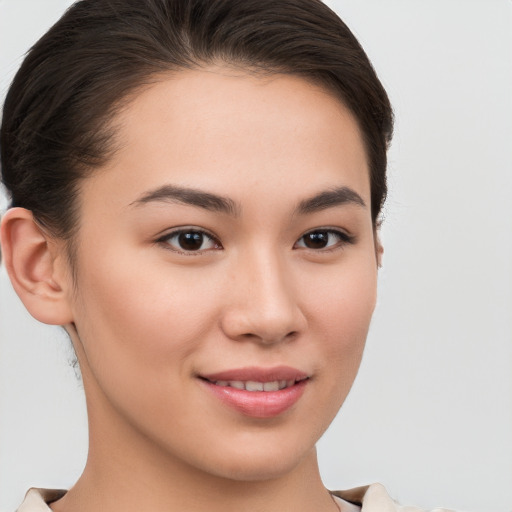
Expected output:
{"points": [[344, 239], [163, 240]]}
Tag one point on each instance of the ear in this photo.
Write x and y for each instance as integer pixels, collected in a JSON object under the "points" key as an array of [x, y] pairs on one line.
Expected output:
{"points": [[37, 267], [379, 249]]}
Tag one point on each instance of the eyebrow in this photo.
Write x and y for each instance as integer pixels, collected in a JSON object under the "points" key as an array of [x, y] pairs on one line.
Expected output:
{"points": [[190, 196], [216, 203], [329, 199]]}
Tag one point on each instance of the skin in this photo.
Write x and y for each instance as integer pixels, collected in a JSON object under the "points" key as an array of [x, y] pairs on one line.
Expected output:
{"points": [[147, 317]]}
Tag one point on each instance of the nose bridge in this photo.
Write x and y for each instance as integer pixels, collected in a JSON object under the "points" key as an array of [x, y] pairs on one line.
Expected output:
{"points": [[265, 305]]}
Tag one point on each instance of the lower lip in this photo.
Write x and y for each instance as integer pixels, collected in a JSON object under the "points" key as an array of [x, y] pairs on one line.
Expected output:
{"points": [[258, 404]]}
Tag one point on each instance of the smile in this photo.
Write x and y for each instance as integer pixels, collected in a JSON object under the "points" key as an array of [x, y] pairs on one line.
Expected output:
{"points": [[257, 392], [251, 385]]}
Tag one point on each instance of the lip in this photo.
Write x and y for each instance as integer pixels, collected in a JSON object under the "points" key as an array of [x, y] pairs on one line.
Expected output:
{"points": [[257, 404], [258, 374]]}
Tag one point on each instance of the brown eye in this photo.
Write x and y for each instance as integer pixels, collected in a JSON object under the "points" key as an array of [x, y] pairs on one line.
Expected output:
{"points": [[324, 239], [190, 241], [316, 240]]}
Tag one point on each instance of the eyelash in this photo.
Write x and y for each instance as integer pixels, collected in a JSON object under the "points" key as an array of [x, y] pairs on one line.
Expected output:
{"points": [[190, 231], [199, 235], [343, 239]]}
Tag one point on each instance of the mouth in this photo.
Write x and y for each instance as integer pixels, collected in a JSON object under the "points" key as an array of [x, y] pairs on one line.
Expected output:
{"points": [[251, 385], [257, 392]]}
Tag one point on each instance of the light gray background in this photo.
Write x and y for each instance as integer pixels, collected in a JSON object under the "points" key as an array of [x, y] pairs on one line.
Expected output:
{"points": [[430, 414]]}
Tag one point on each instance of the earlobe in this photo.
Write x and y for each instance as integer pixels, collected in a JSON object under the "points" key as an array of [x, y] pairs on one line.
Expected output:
{"points": [[36, 265]]}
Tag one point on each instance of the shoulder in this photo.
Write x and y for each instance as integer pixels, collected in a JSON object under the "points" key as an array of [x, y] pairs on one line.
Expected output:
{"points": [[374, 498], [36, 500], [371, 498]]}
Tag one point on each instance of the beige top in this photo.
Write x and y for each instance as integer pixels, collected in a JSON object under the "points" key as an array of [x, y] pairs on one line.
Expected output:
{"points": [[371, 498]]}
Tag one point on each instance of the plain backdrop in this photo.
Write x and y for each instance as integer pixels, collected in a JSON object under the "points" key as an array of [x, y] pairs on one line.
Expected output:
{"points": [[430, 414]]}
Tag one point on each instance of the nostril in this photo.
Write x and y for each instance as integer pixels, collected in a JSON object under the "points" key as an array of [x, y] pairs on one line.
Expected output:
{"points": [[277, 339], [268, 338]]}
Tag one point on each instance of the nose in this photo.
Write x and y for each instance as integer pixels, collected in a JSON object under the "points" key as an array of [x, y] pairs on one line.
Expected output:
{"points": [[262, 302]]}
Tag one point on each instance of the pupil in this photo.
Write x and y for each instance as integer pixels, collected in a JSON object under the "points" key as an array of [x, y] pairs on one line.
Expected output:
{"points": [[316, 240], [190, 241]]}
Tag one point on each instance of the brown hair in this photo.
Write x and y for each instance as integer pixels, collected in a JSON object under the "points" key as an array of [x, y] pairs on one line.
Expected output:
{"points": [[57, 116]]}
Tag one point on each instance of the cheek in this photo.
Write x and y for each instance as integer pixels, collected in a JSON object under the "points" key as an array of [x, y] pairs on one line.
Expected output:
{"points": [[139, 329], [341, 318], [137, 317], [341, 304], [341, 311]]}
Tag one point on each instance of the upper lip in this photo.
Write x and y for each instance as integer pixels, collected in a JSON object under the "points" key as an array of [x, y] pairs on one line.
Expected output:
{"points": [[257, 374]]}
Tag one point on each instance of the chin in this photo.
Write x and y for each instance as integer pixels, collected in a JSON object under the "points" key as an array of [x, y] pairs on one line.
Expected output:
{"points": [[260, 465], [250, 472]]}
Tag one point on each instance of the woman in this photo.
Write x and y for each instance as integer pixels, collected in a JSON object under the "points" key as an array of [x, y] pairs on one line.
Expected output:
{"points": [[196, 187]]}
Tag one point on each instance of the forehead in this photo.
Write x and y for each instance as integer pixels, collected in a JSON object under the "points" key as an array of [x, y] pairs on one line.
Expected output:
{"points": [[221, 128]]}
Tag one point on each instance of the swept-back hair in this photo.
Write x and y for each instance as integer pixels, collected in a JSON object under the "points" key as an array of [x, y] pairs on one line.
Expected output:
{"points": [[58, 119]]}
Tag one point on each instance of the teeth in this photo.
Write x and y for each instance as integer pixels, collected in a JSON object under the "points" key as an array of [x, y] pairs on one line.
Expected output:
{"points": [[271, 386], [251, 385]]}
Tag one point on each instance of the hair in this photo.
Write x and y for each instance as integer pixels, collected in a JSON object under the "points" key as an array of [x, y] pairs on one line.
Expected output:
{"points": [[59, 114]]}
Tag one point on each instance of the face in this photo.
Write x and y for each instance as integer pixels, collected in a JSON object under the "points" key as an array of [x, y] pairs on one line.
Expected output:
{"points": [[226, 272]]}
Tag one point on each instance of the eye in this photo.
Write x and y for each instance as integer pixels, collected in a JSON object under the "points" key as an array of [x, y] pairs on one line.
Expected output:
{"points": [[190, 240], [324, 239]]}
